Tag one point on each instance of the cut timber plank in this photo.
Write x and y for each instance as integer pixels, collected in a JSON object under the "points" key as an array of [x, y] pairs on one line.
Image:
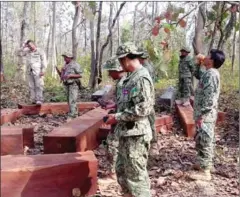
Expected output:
{"points": [[11, 143], [27, 133], [80, 134], [10, 115], [104, 130], [186, 118], [54, 108], [48, 175]]}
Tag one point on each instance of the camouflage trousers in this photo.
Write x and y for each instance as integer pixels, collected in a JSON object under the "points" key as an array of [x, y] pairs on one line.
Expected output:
{"points": [[131, 165], [205, 144], [185, 87], [36, 86], [112, 150], [72, 95], [151, 119]]}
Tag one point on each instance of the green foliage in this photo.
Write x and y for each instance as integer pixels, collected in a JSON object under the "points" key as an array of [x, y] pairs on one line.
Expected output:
{"points": [[9, 68], [229, 80], [165, 83], [126, 33]]}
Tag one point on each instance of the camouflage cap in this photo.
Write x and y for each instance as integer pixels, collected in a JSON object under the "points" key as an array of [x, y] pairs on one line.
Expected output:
{"points": [[67, 54], [112, 64], [145, 54], [127, 48], [185, 48]]}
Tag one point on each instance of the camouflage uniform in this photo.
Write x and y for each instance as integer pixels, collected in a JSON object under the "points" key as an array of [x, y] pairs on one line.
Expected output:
{"points": [[71, 86], [112, 139], [133, 128], [186, 69], [150, 69], [36, 63], [206, 107]]}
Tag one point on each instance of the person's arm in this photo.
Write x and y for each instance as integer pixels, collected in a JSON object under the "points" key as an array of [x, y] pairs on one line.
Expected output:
{"points": [[78, 72], [143, 101]]}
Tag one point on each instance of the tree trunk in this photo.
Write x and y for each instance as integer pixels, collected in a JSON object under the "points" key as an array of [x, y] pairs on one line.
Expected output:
{"points": [[74, 31], [153, 10], [109, 28], [1, 59], [85, 36], [197, 41], [53, 48], [228, 29], [234, 50], [215, 25], [6, 29], [21, 70], [97, 72], [110, 34], [92, 53], [49, 37], [33, 8], [118, 27], [220, 27]]}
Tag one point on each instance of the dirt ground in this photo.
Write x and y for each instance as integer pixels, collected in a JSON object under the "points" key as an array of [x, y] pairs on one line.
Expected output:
{"points": [[168, 167]]}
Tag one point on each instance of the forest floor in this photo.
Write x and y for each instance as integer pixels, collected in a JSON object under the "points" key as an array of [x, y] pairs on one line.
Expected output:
{"points": [[168, 167]]}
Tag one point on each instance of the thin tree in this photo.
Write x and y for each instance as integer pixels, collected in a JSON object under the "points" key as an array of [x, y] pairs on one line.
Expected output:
{"points": [[76, 20], [109, 27], [53, 48], [201, 19], [108, 38], [1, 60], [21, 66]]}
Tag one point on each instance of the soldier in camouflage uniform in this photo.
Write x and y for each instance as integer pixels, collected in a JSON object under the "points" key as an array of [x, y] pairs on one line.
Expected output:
{"points": [[116, 72], [133, 128], [205, 112], [70, 74], [186, 69], [36, 66], [148, 65]]}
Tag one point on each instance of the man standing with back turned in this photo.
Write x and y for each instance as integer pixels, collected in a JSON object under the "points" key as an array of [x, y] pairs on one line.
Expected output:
{"points": [[186, 69]]}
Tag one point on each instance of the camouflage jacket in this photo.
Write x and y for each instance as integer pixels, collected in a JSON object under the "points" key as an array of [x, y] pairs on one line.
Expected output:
{"points": [[150, 68], [135, 104], [206, 96], [35, 60], [186, 67], [68, 69]]}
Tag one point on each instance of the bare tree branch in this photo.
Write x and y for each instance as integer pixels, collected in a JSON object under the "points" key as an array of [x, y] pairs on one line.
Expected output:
{"points": [[189, 12]]}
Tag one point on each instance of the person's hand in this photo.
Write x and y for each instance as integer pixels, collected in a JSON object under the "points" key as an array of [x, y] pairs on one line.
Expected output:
{"points": [[199, 122], [41, 74], [66, 77], [110, 106], [111, 119], [199, 58]]}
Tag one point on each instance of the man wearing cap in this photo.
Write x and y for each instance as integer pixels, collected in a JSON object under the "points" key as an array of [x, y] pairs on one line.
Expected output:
{"points": [[116, 72], [147, 64], [186, 69], [136, 103], [205, 113], [36, 66], [70, 74]]}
